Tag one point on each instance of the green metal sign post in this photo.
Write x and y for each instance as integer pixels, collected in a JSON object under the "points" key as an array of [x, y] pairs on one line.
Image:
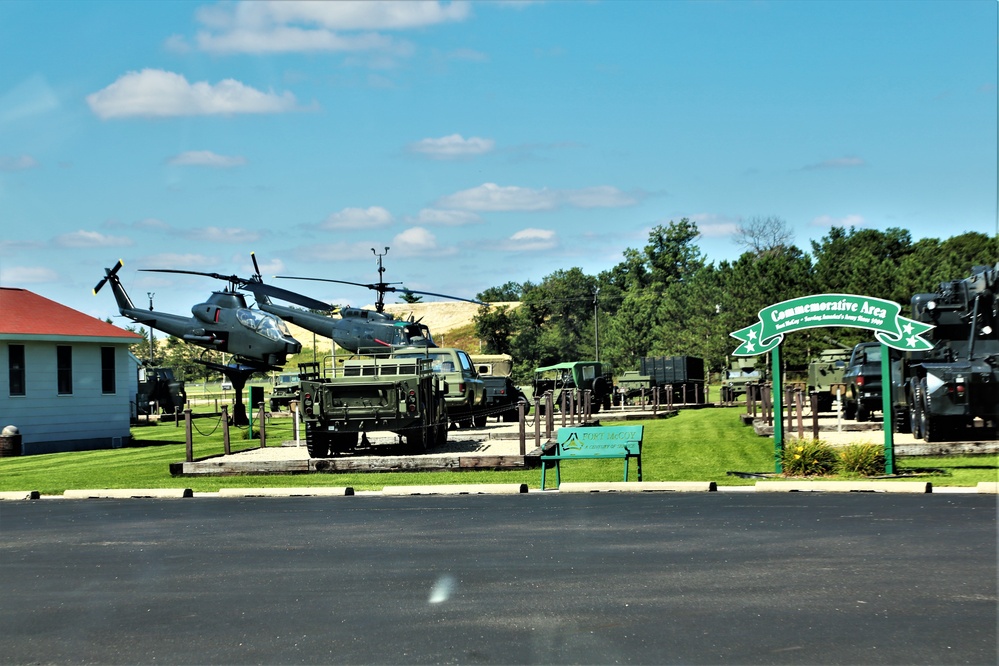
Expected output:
{"points": [[825, 310]]}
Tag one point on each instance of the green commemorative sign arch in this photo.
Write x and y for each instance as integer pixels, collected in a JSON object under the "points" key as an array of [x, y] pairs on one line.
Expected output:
{"points": [[833, 310]]}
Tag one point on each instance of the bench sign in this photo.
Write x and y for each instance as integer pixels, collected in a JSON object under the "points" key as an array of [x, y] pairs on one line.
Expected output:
{"points": [[580, 441]]}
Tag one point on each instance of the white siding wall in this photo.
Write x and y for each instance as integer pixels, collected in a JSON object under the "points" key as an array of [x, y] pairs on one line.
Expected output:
{"points": [[44, 416]]}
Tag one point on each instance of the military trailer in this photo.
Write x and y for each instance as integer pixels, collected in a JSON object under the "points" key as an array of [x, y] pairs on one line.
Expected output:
{"points": [[941, 392], [465, 392], [684, 373], [502, 395], [400, 395]]}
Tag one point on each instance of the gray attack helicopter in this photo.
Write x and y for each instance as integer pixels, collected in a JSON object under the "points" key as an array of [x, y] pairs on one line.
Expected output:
{"points": [[258, 341], [357, 330]]}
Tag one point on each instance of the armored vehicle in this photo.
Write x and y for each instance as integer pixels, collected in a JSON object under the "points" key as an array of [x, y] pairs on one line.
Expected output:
{"points": [[158, 391], [401, 395], [502, 395], [741, 371], [825, 371], [285, 390], [465, 392], [942, 391]]}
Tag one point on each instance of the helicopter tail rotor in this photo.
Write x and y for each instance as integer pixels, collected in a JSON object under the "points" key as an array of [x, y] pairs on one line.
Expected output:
{"points": [[109, 273]]}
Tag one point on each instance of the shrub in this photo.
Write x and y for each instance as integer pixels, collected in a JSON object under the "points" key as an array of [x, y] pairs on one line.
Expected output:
{"points": [[810, 457], [863, 458]]}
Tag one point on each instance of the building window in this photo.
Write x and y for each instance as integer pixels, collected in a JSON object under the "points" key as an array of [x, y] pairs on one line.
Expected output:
{"points": [[107, 370], [64, 369], [15, 364]]}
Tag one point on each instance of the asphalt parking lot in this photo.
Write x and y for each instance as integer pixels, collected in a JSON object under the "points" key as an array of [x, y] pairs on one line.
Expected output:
{"points": [[547, 578]]}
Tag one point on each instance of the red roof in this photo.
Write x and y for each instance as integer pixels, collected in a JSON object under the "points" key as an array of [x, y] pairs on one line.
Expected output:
{"points": [[25, 313]]}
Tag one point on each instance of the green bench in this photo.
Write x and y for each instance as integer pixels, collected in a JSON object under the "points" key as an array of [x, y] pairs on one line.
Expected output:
{"points": [[624, 442]]}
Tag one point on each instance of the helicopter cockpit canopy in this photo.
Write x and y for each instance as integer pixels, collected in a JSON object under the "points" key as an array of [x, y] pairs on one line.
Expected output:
{"points": [[263, 323]]}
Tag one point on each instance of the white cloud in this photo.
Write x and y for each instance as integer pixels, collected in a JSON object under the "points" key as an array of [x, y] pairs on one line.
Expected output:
{"points": [[826, 221], [158, 93], [530, 240], [267, 27], [18, 163], [453, 146], [712, 225], [358, 218], [493, 197], [446, 218], [27, 275], [418, 241], [82, 238], [206, 158], [222, 235], [837, 163]]}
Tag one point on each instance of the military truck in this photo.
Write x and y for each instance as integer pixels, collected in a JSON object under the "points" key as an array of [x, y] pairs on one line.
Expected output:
{"points": [[568, 377], [825, 371], [940, 392], [502, 395], [862, 378], [400, 395], [285, 391], [465, 392], [159, 391]]}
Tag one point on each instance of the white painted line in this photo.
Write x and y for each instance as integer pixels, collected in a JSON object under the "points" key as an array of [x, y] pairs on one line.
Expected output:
{"points": [[14, 495], [315, 491], [845, 486], [639, 487], [129, 493], [467, 489]]}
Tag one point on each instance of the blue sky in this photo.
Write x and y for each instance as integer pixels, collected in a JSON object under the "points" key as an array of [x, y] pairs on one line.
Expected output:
{"points": [[482, 142]]}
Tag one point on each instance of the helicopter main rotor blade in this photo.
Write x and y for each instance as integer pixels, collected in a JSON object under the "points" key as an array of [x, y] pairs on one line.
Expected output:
{"points": [[430, 293], [383, 287], [217, 276], [377, 286], [286, 295]]}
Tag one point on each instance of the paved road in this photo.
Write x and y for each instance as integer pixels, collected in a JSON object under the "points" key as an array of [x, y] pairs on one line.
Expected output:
{"points": [[705, 578]]}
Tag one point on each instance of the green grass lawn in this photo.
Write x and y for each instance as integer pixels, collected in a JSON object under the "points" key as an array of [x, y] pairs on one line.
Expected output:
{"points": [[696, 445]]}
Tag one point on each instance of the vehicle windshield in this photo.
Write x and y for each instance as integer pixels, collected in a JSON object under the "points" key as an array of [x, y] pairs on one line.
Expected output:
{"points": [[263, 323]]}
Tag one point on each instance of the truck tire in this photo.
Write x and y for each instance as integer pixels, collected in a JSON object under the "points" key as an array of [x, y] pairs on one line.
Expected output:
{"points": [[317, 446], [849, 410], [863, 413], [929, 426], [915, 412], [479, 420], [416, 439]]}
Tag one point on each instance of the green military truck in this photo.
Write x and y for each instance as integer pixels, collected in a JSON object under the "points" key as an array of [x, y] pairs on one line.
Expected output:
{"points": [[401, 395], [564, 378], [285, 391], [464, 390]]}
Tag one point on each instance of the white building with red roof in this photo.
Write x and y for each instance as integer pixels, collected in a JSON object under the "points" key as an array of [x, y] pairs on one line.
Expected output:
{"points": [[67, 380]]}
